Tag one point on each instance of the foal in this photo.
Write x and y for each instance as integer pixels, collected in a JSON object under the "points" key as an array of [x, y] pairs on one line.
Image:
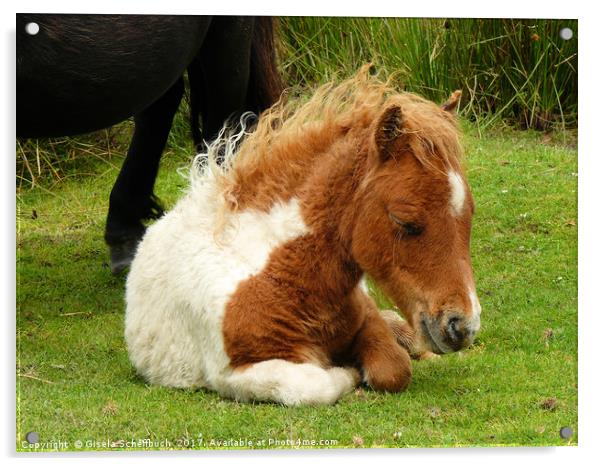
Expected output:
{"points": [[250, 286]]}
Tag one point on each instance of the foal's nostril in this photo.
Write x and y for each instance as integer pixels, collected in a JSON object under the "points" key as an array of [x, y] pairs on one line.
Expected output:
{"points": [[454, 330]]}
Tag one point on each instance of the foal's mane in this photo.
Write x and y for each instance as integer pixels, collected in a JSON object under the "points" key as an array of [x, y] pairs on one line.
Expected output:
{"points": [[290, 135]]}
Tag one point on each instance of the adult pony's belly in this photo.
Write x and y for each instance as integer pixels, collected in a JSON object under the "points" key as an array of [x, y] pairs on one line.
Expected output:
{"points": [[81, 73]]}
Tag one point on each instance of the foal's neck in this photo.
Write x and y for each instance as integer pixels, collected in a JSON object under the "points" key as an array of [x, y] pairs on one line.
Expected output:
{"points": [[327, 199]]}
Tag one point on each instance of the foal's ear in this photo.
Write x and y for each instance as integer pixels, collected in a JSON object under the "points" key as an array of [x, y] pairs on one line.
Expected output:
{"points": [[451, 106], [388, 129]]}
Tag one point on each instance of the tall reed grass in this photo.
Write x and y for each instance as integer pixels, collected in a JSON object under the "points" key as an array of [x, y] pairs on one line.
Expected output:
{"points": [[516, 70]]}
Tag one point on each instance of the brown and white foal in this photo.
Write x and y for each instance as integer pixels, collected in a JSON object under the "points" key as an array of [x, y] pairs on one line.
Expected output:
{"points": [[250, 286]]}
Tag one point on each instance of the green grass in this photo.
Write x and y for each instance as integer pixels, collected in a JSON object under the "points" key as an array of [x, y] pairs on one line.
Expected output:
{"points": [[517, 385], [515, 70]]}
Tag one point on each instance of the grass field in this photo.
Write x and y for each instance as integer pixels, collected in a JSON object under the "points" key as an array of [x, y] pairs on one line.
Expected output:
{"points": [[518, 70], [517, 385]]}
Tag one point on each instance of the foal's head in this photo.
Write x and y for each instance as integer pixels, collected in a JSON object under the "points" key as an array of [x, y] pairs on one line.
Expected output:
{"points": [[413, 219]]}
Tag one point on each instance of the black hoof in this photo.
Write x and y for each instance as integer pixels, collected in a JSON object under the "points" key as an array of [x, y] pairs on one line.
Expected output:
{"points": [[122, 255]]}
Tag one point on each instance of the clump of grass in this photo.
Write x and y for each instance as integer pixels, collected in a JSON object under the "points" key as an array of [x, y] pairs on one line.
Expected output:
{"points": [[519, 71], [47, 162], [511, 71]]}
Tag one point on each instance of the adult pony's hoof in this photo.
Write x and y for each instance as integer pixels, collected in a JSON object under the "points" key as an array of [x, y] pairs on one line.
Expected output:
{"points": [[122, 255]]}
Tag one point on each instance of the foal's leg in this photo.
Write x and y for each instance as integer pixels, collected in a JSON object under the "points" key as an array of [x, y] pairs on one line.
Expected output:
{"points": [[386, 365], [132, 199], [290, 383], [403, 332], [405, 335]]}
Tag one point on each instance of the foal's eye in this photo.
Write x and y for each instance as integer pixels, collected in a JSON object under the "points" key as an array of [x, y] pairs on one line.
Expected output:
{"points": [[411, 229], [407, 228]]}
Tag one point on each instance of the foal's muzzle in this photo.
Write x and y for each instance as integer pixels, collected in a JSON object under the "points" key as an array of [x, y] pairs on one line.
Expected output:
{"points": [[449, 331]]}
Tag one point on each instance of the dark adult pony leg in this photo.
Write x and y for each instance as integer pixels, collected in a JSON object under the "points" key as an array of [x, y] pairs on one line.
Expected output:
{"points": [[132, 199], [235, 71], [219, 75]]}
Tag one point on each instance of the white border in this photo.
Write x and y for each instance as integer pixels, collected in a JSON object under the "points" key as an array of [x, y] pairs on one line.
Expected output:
{"points": [[439, 8]]}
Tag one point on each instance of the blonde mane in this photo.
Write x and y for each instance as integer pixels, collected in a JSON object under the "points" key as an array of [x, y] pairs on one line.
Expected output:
{"points": [[289, 136]]}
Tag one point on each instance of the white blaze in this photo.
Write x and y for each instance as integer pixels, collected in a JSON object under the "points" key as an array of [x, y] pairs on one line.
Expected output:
{"points": [[458, 192], [476, 310]]}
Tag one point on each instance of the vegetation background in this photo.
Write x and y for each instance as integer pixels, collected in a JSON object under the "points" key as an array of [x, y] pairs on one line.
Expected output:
{"points": [[517, 385]]}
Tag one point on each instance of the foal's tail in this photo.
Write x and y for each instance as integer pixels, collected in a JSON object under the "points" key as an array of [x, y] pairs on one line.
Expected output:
{"points": [[264, 85]]}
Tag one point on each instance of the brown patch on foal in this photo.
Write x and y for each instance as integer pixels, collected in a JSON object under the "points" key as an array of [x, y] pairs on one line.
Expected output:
{"points": [[275, 159], [305, 305], [341, 160]]}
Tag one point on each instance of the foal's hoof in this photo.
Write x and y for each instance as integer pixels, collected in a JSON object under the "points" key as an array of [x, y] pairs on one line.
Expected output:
{"points": [[122, 255], [426, 355], [404, 334]]}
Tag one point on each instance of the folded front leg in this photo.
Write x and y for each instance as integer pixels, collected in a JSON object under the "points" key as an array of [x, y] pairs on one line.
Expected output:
{"points": [[405, 335], [385, 364]]}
